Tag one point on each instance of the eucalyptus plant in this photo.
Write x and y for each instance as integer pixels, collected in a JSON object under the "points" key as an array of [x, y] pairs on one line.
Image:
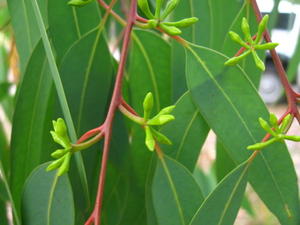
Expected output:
{"points": [[122, 147]]}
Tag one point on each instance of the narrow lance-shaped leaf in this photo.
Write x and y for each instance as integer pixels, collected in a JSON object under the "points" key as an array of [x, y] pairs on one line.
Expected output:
{"points": [[187, 133], [61, 95], [149, 71], [217, 92], [87, 69], [31, 142], [222, 205], [176, 194], [76, 23], [47, 199], [25, 27]]}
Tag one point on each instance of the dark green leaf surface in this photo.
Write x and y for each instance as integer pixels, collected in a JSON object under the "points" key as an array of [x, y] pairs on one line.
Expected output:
{"points": [[25, 27], [149, 70], [225, 97], [221, 206], [206, 180], [75, 23], [212, 31], [86, 74], [176, 195], [224, 165], [188, 133], [3, 213], [47, 199], [31, 142]]}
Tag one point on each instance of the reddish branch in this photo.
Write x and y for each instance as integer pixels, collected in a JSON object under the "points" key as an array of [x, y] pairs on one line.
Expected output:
{"points": [[117, 99], [292, 96], [95, 217]]}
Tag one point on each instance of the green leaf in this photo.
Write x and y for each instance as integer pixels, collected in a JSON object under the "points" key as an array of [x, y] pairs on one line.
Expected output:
{"points": [[214, 24], [25, 27], [31, 141], [149, 70], [76, 23], [217, 92], [230, 48], [206, 181], [87, 69], [3, 213], [221, 206], [224, 165], [187, 133], [176, 194], [123, 199], [61, 95], [47, 199], [6, 195], [4, 151], [4, 90]]}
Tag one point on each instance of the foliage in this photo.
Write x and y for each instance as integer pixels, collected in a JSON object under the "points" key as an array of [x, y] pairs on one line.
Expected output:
{"points": [[158, 80]]}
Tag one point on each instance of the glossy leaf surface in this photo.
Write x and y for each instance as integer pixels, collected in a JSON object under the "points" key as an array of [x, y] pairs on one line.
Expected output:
{"points": [[47, 199], [176, 195], [188, 133], [31, 142], [221, 206], [224, 96]]}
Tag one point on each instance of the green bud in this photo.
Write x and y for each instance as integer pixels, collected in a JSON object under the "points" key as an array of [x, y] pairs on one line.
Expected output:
{"points": [[261, 28], [159, 4], [150, 142], [167, 110], [235, 37], [79, 3], [171, 30], [160, 137], [183, 23], [60, 127], [148, 105], [273, 119], [264, 124], [246, 30], [160, 120], [259, 63], [55, 164], [292, 138], [286, 123], [267, 46], [59, 153], [261, 145], [60, 140], [234, 60], [171, 5], [144, 6], [274, 122], [64, 168]]}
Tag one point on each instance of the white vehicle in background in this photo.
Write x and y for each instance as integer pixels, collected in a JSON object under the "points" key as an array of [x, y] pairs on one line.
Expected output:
{"points": [[286, 33]]}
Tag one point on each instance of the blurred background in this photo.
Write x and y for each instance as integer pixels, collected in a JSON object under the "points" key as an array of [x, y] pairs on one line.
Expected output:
{"points": [[285, 29]]}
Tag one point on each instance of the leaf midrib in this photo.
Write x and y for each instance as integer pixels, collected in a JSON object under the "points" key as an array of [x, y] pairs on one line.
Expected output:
{"points": [[173, 188], [240, 117], [232, 194], [151, 71], [184, 136], [51, 194]]}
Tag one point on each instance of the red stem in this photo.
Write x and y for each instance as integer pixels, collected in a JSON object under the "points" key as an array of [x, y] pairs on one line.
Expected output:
{"points": [[291, 97], [115, 101], [128, 107], [89, 134]]}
